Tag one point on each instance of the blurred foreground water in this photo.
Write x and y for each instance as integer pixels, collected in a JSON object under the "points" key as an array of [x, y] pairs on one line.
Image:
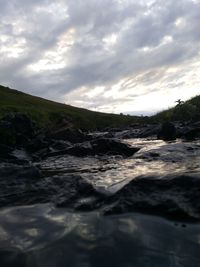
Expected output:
{"points": [[41, 235]]}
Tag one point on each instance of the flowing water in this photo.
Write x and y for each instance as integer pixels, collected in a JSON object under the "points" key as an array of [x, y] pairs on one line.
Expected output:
{"points": [[108, 174], [41, 235], [44, 235]]}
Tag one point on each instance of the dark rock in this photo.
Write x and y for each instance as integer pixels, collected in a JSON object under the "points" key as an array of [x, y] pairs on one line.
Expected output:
{"points": [[167, 132], [16, 129], [149, 131], [68, 134], [192, 134], [81, 150], [112, 147], [5, 151], [80, 195], [170, 197], [60, 145], [37, 144], [8, 154], [28, 171], [25, 185], [100, 146], [21, 123]]}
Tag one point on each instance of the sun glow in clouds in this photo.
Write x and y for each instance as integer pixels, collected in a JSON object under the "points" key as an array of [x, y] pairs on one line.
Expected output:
{"points": [[110, 41], [56, 58]]}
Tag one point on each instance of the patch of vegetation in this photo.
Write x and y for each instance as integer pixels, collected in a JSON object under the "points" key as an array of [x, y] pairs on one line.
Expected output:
{"points": [[47, 113], [185, 111]]}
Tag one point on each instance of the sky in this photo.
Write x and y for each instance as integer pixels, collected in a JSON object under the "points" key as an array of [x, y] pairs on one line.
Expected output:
{"points": [[119, 56]]}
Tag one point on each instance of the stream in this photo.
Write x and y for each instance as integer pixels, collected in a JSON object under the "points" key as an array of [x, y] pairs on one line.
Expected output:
{"points": [[100, 211]]}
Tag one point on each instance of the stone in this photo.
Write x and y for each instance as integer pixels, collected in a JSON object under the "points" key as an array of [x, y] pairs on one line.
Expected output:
{"points": [[167, 132]]}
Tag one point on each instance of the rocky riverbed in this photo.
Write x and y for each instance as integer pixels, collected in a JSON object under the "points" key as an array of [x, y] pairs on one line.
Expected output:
{"points": [[160, 178], [52, 182]]}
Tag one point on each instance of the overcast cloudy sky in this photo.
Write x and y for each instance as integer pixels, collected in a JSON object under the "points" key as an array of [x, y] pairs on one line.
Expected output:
{"points": [[108, 55]]}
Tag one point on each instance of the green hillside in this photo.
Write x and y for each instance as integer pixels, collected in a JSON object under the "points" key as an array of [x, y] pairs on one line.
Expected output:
{"points": [[187, 111], [47, 113]]}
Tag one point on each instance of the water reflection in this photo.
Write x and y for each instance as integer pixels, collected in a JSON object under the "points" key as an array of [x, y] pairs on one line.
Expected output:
{"points": [[92, 240]]}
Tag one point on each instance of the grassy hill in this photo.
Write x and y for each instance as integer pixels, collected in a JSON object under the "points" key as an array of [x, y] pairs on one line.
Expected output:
{"points": [[47, 113], [187, 111]]}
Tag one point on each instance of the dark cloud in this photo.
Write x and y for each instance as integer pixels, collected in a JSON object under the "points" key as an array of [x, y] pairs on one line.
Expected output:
{"points": [[54, 48]]}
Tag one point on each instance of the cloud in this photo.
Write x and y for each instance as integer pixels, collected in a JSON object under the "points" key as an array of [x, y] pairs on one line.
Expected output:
{"points": [[66, 50]]}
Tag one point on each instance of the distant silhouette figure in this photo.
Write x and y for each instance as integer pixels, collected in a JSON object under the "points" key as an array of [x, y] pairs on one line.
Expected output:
{"points": [[179, 102]]}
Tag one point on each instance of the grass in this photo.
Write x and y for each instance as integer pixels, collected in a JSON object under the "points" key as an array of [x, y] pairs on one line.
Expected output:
{"points": [[47, 113], [188, 111]]}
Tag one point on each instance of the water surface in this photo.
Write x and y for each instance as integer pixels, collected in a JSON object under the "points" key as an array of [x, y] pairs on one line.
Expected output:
{"points": [[42, 235]]}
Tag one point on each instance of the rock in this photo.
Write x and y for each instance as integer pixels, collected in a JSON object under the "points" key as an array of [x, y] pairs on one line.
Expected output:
{"points": [[26, 171], [8, 136], [26, 185], [5, 151], [68, 134], [37, 143], [16, 129], [7, 154], [101, 146], [192, 134], [167, 132], [112, 147], [81, 150], [78, 150], [57, 145], [174, 196], [80, 194], [17, 184]]}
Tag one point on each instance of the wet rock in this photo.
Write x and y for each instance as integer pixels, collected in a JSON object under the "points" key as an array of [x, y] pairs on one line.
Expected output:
{"points": [[60, 145], [37, 143], [16, 129], [81, 150], [5, 151], [80, 194], [174, 197], [68, 134], [27, 171], [192, 134], [101, 146], [167, 132], [23, 185], [112, 147]]}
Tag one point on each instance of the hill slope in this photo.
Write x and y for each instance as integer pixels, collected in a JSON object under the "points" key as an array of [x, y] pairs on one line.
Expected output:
{"points": [[46, 113], [187, 111]]}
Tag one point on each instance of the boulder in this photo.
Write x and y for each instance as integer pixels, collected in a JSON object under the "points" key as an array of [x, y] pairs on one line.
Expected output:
{"points": [[167, 132], [112, 147], [68, 134], [16, 129], [100, 146], [192, 134]]}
